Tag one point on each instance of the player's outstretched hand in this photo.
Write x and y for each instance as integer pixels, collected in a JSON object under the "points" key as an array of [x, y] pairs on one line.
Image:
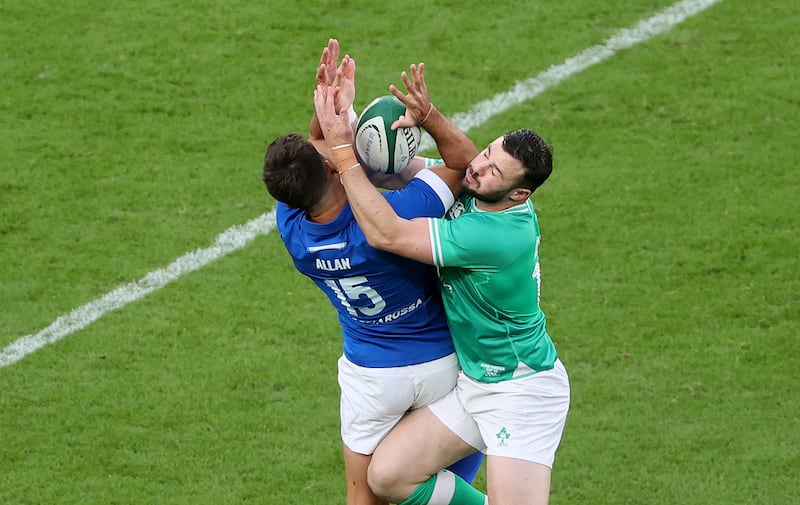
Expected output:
{"points": [[328, 61], [416, 99], [345, 83], [334, 123], [342, 76]]}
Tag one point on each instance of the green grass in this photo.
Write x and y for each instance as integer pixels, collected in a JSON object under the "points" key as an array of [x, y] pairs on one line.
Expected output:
{"points": [[132, 134]]}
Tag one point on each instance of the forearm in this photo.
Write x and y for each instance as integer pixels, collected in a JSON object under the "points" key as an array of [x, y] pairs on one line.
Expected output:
{"points": [[455, 148], [377, 218], [314, 129]]}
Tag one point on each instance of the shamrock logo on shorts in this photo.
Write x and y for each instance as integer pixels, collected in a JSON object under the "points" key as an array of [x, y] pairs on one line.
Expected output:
{"points": [[502, 436]]}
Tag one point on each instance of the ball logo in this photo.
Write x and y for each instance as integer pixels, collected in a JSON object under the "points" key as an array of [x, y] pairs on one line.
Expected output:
{"points": [[411, 141], [373, 154]]}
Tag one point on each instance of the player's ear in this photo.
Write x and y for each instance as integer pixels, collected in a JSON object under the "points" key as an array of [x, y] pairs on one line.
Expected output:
{"points": [[520, 194]]}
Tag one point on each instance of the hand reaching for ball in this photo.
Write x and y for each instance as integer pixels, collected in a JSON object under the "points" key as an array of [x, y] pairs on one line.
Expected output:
{"points": [[334, 123]]}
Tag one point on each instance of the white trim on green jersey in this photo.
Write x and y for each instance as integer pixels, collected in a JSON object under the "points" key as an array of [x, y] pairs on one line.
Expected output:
{"points": [[489, 269]]}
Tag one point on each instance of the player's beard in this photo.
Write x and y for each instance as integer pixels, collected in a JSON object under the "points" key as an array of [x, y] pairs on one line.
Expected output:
{"points": [[471, 187], [491, 197]]}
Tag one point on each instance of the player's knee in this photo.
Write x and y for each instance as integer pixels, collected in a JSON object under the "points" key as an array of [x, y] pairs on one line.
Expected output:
{"points": [[383, 480]]}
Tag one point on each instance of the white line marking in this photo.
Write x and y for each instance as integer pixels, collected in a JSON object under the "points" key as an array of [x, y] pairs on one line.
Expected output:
{"points": [[237, 237], [230, 240], [529, 88]]}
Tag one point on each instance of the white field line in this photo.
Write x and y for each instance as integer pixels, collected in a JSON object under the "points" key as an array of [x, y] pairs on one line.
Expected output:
{"points": [[237, 237], [529, 88], [230, 240]]}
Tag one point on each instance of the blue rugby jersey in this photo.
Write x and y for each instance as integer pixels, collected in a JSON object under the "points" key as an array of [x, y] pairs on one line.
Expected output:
{"points": [[389, 307]]}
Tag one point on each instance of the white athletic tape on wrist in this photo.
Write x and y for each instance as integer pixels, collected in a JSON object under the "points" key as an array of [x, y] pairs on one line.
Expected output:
{"points": [[352, 117]]}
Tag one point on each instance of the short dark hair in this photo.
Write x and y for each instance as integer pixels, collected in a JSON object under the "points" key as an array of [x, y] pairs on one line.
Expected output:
{"points": [[294, 172], [534, 154]]}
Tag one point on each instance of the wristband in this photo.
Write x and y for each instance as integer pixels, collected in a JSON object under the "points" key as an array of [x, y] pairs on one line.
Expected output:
{"points": [[349, 168], [340, 146], [430, 109]]}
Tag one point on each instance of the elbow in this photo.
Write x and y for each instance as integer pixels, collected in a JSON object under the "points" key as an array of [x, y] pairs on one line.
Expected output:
{"points": [[385, 236], [379, 240]]}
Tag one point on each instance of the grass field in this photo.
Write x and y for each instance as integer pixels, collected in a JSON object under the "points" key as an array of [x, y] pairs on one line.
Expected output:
{"points": [[133, 133]]}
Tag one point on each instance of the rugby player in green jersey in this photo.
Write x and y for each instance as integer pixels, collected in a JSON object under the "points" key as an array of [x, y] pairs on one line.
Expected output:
{"points": [[512, 395]]}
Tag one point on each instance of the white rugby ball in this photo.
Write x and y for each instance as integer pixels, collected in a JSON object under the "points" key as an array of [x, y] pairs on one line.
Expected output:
{"points": [[379, 147]]}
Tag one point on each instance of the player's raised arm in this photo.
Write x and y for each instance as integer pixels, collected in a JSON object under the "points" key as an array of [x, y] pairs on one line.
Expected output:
{"points": [[339, 75], [454, 146], [326, 73]]}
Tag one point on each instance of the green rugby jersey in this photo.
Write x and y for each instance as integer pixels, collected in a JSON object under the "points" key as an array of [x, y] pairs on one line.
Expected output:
{"points": [[489, 268]]}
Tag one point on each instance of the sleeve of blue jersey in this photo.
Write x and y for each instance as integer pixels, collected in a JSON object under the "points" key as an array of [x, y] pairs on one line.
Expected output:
{"points": [[425, 196]]}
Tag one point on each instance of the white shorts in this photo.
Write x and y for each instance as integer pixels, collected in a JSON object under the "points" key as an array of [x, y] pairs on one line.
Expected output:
{"points": [[519, 418], [374, 399]]}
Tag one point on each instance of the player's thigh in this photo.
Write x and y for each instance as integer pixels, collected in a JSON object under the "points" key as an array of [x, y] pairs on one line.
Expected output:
{"points": [[512, 481], [416, 448], [355, 467]]}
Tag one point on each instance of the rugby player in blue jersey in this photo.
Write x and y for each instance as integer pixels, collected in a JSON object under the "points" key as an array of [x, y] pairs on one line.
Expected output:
{"points": [[398, 354]]}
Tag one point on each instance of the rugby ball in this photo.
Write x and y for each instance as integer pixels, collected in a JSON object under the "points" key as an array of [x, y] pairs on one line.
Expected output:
{"points": [[380, 148]]}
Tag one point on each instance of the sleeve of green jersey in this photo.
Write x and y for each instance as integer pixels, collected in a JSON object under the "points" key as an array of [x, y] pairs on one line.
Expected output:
{"points": [[477, 241]]}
